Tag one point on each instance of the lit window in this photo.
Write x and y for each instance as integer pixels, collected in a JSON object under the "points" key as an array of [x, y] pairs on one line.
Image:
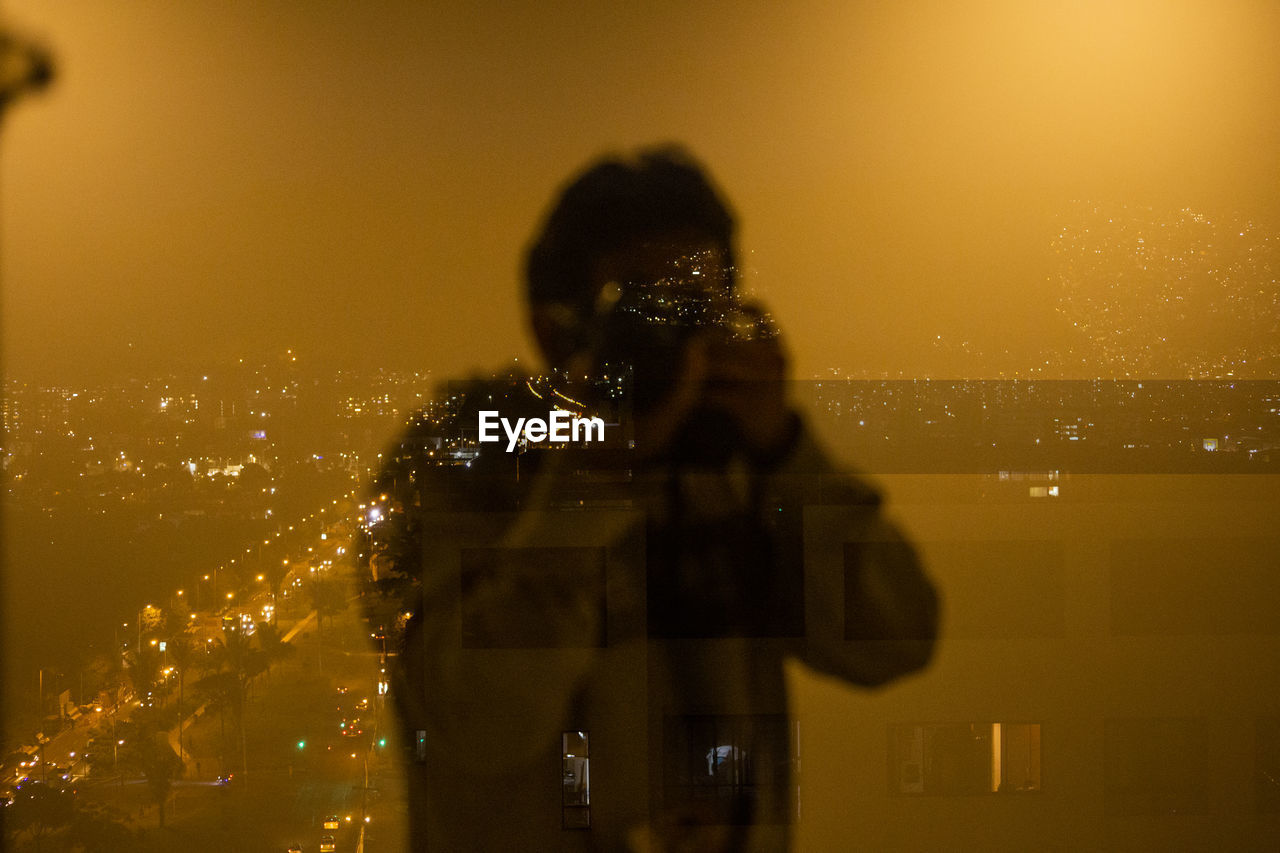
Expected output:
{"points": [[952, 759], [575, 773], [730, 769]]}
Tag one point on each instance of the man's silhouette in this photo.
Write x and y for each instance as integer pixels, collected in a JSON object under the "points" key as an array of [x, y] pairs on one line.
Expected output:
{"points": [[592, 635]]}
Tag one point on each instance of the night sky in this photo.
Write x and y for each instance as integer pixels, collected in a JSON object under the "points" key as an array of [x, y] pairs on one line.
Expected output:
{"points": [[209, 180]]}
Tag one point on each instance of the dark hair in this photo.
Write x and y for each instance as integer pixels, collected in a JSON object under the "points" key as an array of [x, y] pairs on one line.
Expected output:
{"points": [[613, 204]]}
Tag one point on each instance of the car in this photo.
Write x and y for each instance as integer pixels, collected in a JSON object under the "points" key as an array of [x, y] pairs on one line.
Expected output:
{"points": [[327, 844], [294, 848], [331, 822]]}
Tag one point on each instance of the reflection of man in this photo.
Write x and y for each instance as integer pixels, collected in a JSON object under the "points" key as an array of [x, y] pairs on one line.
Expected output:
{"points": [[629, 604], [24, 68]]}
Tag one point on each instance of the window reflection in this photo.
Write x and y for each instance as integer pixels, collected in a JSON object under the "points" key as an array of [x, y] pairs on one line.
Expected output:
{"points": [[949, 759], [575, 770], [716, 767]]}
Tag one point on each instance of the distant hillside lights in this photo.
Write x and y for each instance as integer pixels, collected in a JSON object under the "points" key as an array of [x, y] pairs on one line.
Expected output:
{"points": [[559, 425]]}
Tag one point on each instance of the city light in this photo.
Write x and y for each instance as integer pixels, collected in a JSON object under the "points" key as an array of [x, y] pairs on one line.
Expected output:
{"points": [[1028, 254]]}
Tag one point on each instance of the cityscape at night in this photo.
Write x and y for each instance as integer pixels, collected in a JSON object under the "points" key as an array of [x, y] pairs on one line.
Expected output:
{"points": [[241, 492], [1177, 294]]}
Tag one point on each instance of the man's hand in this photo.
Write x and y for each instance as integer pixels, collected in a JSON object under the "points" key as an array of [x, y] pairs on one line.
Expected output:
{"points": [[737, 375]]}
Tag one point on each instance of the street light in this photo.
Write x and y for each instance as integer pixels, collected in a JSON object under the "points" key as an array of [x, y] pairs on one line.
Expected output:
{"points": [[148, 608]]}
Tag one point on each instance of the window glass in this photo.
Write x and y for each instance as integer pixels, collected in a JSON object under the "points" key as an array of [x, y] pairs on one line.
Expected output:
{"points": [[949, 759]]}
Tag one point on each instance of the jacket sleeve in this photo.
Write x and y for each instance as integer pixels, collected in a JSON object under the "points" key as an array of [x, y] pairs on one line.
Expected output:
{"points": [[871, 612]]}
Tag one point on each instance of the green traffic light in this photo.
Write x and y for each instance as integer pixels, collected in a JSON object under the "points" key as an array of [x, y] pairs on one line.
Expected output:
{"points": [[302, 744], [382, 741]]}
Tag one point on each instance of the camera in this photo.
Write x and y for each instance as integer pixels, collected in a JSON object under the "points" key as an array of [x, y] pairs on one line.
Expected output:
{"points": [[645, 328]]}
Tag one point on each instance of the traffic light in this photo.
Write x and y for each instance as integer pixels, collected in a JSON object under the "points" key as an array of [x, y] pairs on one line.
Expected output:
{"points": [[302, 744]]}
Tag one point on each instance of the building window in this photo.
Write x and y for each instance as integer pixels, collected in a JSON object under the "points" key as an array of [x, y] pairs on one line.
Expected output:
{"points": [[952, 759], [1182, 586], [730, 769], [985, 575], [575, 780], [1156, 766]]}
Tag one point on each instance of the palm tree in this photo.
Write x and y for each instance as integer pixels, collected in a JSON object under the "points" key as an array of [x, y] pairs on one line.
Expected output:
{"points": [[183, 654], [160, 765], [39, 810], [143, 665], [115, 676], [271, 644], [150, 752], [219, 689], [236, 663], [329, 600]]}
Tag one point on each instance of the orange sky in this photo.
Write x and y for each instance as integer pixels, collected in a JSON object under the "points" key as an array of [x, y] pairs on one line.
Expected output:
{"points": [[209, 179]]}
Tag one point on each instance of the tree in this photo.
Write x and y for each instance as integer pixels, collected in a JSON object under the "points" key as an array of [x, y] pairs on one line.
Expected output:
{"points": [[386, 560], [150, 753], [236, 662], [220, 690], [143, 666], [115, 676], [329, 600], [160, 765], [271, 644], [99, 829], [38, 810], [184, 656], [173, 621]]}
